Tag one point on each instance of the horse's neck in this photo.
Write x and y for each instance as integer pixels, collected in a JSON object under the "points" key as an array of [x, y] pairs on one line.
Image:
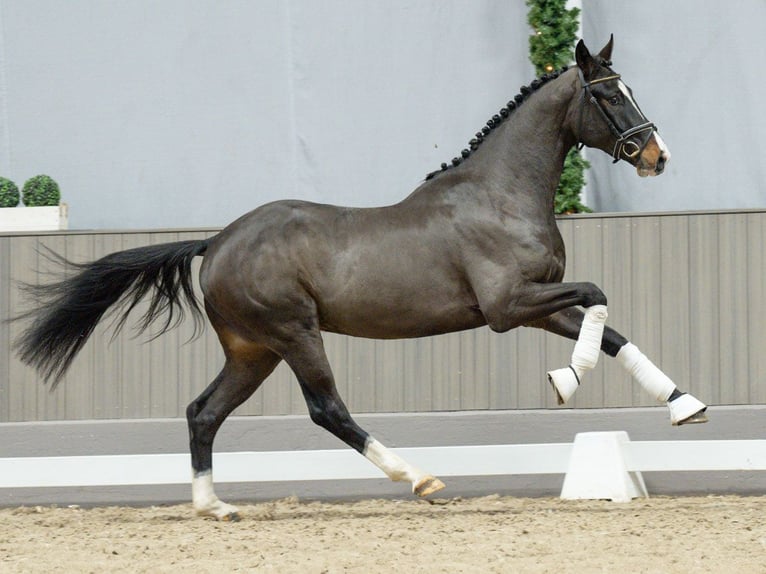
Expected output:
{"points": [[525, 154]]}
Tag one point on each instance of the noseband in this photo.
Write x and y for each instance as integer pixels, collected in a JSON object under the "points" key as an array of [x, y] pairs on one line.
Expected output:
{"points": [[622, 145]]}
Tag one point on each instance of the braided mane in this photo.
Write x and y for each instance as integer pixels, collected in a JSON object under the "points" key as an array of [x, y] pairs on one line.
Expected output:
{"points": [[504, 113]]}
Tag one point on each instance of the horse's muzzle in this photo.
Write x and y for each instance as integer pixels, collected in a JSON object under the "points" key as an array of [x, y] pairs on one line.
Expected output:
{"points": [[653, 157]]}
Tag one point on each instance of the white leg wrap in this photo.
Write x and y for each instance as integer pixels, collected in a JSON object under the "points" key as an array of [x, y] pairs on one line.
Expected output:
{"points": [[206, 503], [588, 345], [584, 356], [646, 373]]}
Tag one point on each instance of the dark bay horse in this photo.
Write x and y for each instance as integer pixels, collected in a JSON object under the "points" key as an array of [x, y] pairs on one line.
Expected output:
{"points": [[476, 244]]}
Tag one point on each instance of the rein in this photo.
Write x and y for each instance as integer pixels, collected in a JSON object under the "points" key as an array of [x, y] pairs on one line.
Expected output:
{"points": [[623, 137]]}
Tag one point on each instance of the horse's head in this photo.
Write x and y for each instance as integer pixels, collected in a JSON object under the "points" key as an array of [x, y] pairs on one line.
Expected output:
{"points": [[609, 118]]}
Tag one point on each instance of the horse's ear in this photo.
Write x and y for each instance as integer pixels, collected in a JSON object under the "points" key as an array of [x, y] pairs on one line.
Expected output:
{"points": [[606, 51], [584, 60]]}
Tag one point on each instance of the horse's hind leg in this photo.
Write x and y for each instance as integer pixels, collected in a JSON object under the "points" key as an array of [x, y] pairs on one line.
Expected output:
{"points": [[246, 367], [684, 408], [307, 358]]}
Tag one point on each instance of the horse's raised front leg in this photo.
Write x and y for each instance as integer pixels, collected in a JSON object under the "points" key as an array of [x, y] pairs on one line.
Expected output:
{"points": [[307, 358], [584, 356], [532, 302], [572, 322]]}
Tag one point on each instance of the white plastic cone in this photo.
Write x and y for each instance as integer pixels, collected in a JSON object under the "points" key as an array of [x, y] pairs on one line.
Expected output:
{"points": [[597, 469]]}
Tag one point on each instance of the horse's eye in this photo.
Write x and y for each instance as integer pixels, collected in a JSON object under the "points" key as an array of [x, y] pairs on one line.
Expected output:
{"points": [[615, 100]]}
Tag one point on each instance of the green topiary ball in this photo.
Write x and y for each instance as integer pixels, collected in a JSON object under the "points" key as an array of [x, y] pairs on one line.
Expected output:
{"points": [[40, 190], [9, 193]]}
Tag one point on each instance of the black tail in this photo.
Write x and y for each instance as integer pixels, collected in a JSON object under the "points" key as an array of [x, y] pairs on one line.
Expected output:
{"points": [[67, 312]]}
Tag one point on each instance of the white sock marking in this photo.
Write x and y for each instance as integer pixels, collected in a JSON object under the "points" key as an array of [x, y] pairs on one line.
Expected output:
{"points": [[393, 465], [205, 501]]}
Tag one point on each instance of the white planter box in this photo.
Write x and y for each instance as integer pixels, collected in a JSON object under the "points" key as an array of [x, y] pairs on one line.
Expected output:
{"points": [[51, 218]]}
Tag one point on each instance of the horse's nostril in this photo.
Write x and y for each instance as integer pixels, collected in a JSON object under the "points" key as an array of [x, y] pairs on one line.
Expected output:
{"points": [[660, 163]]}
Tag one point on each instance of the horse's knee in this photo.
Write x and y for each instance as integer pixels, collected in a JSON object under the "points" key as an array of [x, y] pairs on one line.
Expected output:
{"points": [[592, 294]]}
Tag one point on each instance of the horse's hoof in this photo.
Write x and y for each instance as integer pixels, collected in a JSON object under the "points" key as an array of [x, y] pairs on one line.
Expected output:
{"points": [[686, 409], [565, 382], [696, 418], [428, 485], [220, 511]]}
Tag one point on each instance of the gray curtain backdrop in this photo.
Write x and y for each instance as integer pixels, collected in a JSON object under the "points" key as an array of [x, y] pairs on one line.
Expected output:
{"points": [[189, 113]]}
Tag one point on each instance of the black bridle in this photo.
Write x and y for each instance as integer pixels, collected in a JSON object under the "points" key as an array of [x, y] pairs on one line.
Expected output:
{"points": [[622, 142]]}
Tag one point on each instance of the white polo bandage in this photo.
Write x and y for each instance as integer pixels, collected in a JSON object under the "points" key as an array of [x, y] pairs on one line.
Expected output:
{"points": [[588, 345], [646, 373], [584, 355]]}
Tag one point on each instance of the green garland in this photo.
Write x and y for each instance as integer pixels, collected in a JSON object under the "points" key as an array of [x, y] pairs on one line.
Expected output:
{"points": [[550, 48]]}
